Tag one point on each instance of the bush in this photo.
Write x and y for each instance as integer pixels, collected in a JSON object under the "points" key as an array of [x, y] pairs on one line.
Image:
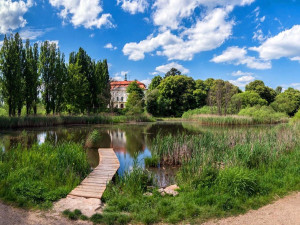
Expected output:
{"points": [[264, 114], [296, 117], [204, 110]]}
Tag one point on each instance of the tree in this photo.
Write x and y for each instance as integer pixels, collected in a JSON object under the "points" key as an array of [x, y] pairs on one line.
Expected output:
{"points": [[220, 95], [135, 100], [246, 99], [172, 72], [47, 70], [134, 87], [176, 95], [155, 82], [31, 77], [288, 101], [278, 90], [76, 89], [104, 86], [12, 69], [265, 92], [152, 105]]}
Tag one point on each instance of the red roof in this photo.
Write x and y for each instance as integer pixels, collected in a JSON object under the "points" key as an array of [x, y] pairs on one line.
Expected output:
{"points": [[116, 84]]}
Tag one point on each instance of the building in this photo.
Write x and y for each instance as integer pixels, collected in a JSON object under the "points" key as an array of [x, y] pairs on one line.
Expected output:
{"points": [[119, 94]]}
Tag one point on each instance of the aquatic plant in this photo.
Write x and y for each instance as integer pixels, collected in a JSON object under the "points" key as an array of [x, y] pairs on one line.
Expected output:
{"points": [[42, 174], [46, 121], [93, 139], [222, 173]]}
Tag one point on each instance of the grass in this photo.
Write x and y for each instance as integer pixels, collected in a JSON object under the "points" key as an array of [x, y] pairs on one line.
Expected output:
{"points": [[42, 174], [152, 161], [248, 116], [46, 121], [221, 174], [296, 117], [93, 139]]}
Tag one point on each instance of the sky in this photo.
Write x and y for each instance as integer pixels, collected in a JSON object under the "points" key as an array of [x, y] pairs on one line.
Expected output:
{"points": [[235, 40]]}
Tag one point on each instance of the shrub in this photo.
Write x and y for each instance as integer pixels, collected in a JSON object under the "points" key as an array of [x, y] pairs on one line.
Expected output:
{"points": [[264, 114], [204, 110]]}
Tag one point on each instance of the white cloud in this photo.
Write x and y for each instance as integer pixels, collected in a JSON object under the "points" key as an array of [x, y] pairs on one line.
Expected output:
{"points": [[259, 36], [238, 56], [12, 14], [33, 34], [133, 6], [241, 73], [297, 58], [242, 81], [170, 13], [92, 35], [296, 86], [83, 13], [207, 34], [120, 76], [1, 43], [110, 46], [146, 81], [262, 19], [165, 68], [285, 44]]}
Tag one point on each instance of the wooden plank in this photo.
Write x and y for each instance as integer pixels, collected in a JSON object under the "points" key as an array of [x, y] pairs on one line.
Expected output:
{"points": [[94, 185]]}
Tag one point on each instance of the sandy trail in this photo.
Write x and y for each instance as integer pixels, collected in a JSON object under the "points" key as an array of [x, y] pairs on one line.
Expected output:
{"points": [[15, 216], [285, 211]]}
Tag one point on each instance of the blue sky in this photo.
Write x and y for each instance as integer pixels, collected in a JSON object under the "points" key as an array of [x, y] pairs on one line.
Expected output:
{"points": [[236, 40]]}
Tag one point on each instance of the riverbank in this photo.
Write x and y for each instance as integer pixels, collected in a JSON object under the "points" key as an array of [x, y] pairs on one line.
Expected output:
{"points": [[47, 121]]}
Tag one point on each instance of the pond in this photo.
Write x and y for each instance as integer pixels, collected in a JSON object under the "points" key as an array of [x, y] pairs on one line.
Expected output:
{"points": [[131, 142]]}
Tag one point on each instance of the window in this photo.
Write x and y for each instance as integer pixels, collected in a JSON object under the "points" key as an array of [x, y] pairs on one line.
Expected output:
{"points": [[122, 99], [117, 98]]}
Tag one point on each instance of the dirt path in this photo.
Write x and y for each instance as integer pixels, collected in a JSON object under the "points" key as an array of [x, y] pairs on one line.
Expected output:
{"points": [[15, 216], [285, 211]]}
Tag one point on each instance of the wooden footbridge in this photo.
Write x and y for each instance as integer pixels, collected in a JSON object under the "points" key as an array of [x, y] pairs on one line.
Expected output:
{"points": [[94, 185]]}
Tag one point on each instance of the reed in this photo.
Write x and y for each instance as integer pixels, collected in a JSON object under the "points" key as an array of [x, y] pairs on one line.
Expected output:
{"points": [[93, 139], [42, 174], [221, 174], [46, 121]]}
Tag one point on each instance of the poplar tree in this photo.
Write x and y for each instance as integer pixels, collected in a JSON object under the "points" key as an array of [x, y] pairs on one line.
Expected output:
{"points": [[12, 67], [31, 77]]}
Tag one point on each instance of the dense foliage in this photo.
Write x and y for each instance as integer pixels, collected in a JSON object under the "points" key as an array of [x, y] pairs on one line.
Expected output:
{"points": [[27, 72], [38, 176], [135, 100]]}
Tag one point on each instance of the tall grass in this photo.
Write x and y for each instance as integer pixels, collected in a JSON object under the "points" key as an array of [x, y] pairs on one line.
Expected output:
{"points": [[38, 176], [296, 117], [221, 174], [45, 121], [249, 116], [93, 139], [204, 110]]}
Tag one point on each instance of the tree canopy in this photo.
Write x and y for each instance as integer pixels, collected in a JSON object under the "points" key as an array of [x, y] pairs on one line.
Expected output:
{"points": [[265, 92]]}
